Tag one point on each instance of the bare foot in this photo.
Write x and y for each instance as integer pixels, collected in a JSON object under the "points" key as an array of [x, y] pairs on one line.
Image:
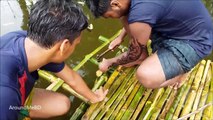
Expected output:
{"points": [[183, 79]]}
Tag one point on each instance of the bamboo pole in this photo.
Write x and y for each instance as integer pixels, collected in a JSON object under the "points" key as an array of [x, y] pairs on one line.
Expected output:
{"points": [[208, 112], [203, 90], [87, 57], [154, 103], [82, 108], [195, 112], [181, 94], [112, 90], [176, 108], [145, 113], [95, 108], [168, 104], [123, 87], [55, 85], [200, 89], [162, 101], [51, 78], [123, 100], [106, 86], [120, 98], [141, 104], [130, 110], [128, 101], [194, 88]]}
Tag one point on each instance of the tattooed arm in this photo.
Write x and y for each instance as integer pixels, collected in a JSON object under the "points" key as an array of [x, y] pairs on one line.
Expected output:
{"points": [[140, 33], [137, 52]]}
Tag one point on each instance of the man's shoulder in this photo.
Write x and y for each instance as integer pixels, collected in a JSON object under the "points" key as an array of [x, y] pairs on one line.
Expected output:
{"points": [[9, 39]]}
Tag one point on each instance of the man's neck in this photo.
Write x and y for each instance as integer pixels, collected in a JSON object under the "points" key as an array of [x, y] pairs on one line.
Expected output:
{"points": [[36, 56]]}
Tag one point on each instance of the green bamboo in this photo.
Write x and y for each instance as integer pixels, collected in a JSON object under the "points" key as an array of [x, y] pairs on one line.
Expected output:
{"points": [[106, 86], [95, 109], [154, 103], [123, 87], [112, 90], [208, 112], [128, 101], [120, 98], [175, 110], [123, 100], [52, 78], [191, 97], [168, 104], [141, 104], [200, 89], [130, 110], [204, 94], [160, 104], [150, 104], [55, 85], [94, 61], [79, 111], [87, 57], [82, 108], [181, 94]]}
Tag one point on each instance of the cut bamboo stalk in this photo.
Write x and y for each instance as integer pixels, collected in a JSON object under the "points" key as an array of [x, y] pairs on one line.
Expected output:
{"points": [[115, 112], [120, 98], [181, 92], [130, 110], [112, 90], [154, 103], [95, 109], [176, 108], [168, 104], [200, 89], [159, 105], [82, 108], [145, 114], [79, 111], [204, 89], [123, 87], [128, 101], [141, 104], [94, 61], [55, 85], [87, 57], [106, 86], [194, 88], [66, 87], [208, 112], [195, 112]]}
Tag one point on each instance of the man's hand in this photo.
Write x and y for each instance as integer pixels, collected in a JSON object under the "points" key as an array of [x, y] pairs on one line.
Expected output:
{"points": [[115, 43], [104, 65], [100, 95]]}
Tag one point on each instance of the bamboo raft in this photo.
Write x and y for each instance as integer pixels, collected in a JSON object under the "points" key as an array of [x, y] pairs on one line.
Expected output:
{"points": [[127, 99]]}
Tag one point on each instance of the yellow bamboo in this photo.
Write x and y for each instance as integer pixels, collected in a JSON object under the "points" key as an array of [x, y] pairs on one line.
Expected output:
{"points": [[106, 86], [200, 89], [194, 88], [208, 112]]}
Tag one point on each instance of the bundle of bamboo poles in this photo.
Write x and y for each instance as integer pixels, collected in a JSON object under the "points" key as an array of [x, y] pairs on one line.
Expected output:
{"points": [[128, 100]]}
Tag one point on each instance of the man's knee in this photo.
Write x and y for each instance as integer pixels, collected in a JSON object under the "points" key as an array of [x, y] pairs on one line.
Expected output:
{"points": [[64, 105], [146, 79]]}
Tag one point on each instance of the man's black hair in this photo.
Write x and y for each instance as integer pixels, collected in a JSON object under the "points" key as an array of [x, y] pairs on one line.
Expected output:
{"points": [[98, 7], [54, 20]]}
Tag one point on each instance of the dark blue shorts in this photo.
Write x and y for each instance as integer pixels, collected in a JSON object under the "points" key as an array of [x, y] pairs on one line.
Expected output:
{"points": [[176, 56]]}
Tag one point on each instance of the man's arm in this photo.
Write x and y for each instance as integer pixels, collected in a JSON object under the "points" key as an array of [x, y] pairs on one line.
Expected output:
{"points": [[140, 33], [75, 81]]}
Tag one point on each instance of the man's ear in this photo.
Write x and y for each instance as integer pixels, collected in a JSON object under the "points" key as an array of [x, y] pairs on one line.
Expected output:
{"points": [[115, 3], [65, 45]]}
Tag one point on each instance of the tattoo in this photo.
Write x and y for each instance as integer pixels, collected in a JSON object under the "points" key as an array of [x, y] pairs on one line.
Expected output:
{"points": [[135, 51]]}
